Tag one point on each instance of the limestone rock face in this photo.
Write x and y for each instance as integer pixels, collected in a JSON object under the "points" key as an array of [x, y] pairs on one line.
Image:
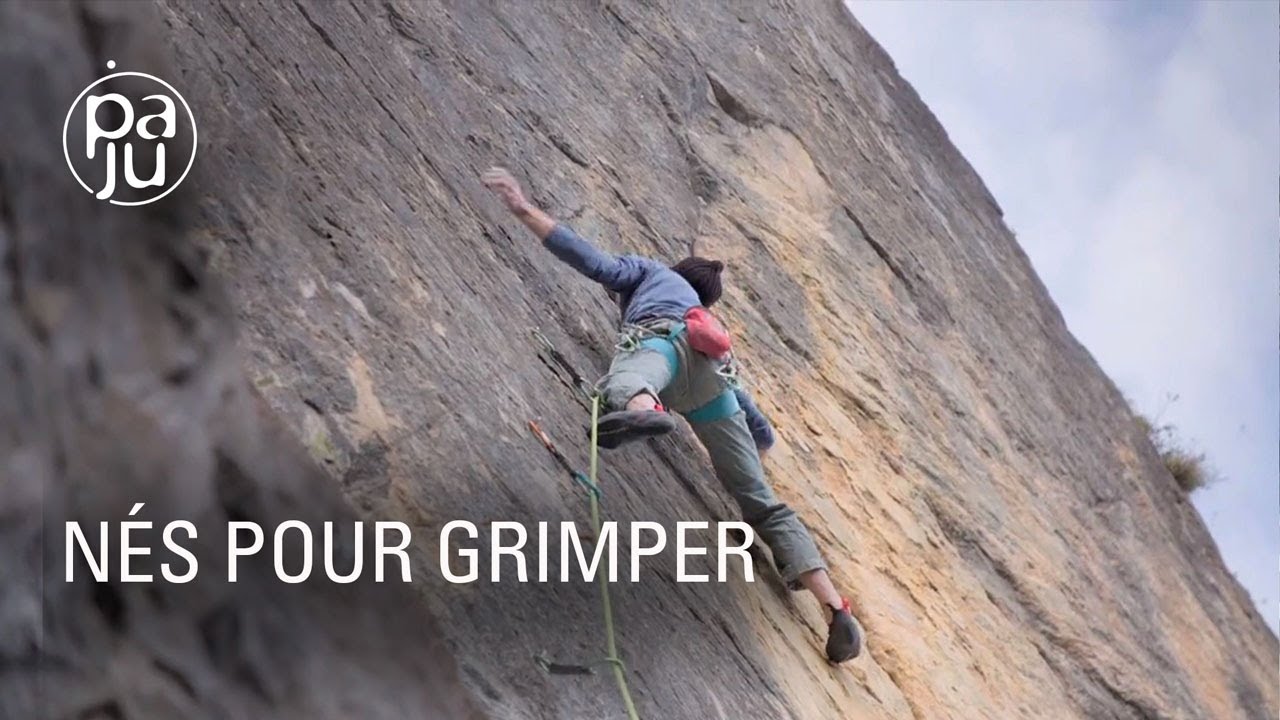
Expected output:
{"points": [[1005, 532], [121, 383]]}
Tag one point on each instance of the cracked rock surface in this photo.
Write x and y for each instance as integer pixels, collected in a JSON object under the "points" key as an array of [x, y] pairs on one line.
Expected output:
{"points": [[1008, 536]]}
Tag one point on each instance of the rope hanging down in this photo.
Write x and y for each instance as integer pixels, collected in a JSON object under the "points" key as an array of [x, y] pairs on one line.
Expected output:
{"points": [[592, 483], [611, 641]]}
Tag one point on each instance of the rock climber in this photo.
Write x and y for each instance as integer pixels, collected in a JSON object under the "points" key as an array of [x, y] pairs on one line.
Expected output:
{"points": [[672, 355]]}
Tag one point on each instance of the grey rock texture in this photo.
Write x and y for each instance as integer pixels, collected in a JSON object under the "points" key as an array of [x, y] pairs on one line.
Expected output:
{"points": [[1007, 535], [121, 383]]}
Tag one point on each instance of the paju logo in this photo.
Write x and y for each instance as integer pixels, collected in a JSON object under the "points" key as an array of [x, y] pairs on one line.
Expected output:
{"points": [[117, 135]]}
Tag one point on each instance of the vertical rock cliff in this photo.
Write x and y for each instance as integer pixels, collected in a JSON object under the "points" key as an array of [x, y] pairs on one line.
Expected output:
{"points": [[1007, 534]]}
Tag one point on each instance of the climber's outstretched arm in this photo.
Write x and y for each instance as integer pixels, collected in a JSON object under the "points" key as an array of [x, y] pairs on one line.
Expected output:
{"points": [[619, 274]]}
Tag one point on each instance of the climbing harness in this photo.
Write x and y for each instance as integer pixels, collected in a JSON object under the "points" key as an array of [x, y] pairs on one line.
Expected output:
{"points": [[592, 484], [718, 408], [635, 337]]}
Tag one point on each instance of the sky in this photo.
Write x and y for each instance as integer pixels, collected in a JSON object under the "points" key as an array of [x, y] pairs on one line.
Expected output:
{"points": [[1135, 150]]}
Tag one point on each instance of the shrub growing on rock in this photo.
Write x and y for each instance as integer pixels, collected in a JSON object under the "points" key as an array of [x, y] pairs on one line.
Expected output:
{"points": [[1189, 469]]}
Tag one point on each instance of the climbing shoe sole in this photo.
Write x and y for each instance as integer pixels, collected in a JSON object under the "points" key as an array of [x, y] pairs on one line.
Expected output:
{"points": [[624, 426]]}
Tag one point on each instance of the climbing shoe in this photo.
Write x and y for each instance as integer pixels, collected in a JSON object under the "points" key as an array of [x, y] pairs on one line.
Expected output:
{"points": [[844, 635], [624, 426]]}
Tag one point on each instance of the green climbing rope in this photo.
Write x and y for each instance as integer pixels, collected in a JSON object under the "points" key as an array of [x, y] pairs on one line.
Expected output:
{"points": [[611, 640], [591, 482]]}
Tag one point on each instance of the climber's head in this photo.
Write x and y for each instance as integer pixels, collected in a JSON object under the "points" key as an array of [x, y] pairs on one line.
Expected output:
{"points": [[703, 275]]}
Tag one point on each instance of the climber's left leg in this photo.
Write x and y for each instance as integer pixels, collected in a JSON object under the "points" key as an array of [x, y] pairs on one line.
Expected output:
{"points": [[737, 465]]}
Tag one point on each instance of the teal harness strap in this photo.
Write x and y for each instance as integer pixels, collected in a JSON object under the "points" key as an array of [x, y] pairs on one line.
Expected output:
{"points": [[724, 405], [666, 345], [668, 350]]}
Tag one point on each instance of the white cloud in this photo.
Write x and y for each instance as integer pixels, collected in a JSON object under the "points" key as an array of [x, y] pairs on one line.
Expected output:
{"points": [[1134, 149]]}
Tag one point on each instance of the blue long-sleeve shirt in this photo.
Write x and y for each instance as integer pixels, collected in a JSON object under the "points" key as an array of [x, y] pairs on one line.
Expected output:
{"points": [[650, 291]]}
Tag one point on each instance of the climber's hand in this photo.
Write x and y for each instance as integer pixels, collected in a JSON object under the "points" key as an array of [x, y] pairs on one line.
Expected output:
{"points": [[508, 190], [500, 181]]}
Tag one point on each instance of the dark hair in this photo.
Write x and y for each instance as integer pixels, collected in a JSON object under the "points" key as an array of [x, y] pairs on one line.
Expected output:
{"points": [[703, 275]]}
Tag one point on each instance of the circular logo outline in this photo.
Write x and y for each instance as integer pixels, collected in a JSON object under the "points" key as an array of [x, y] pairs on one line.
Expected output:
{"points": [[190, 115]]}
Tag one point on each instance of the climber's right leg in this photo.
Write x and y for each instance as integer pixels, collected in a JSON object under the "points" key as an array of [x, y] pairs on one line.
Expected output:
{"points": [[737, 465], [630, 391]]}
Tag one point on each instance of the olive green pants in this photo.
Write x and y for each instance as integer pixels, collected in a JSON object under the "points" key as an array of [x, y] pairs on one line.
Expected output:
{"points": [[686, 380]]}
